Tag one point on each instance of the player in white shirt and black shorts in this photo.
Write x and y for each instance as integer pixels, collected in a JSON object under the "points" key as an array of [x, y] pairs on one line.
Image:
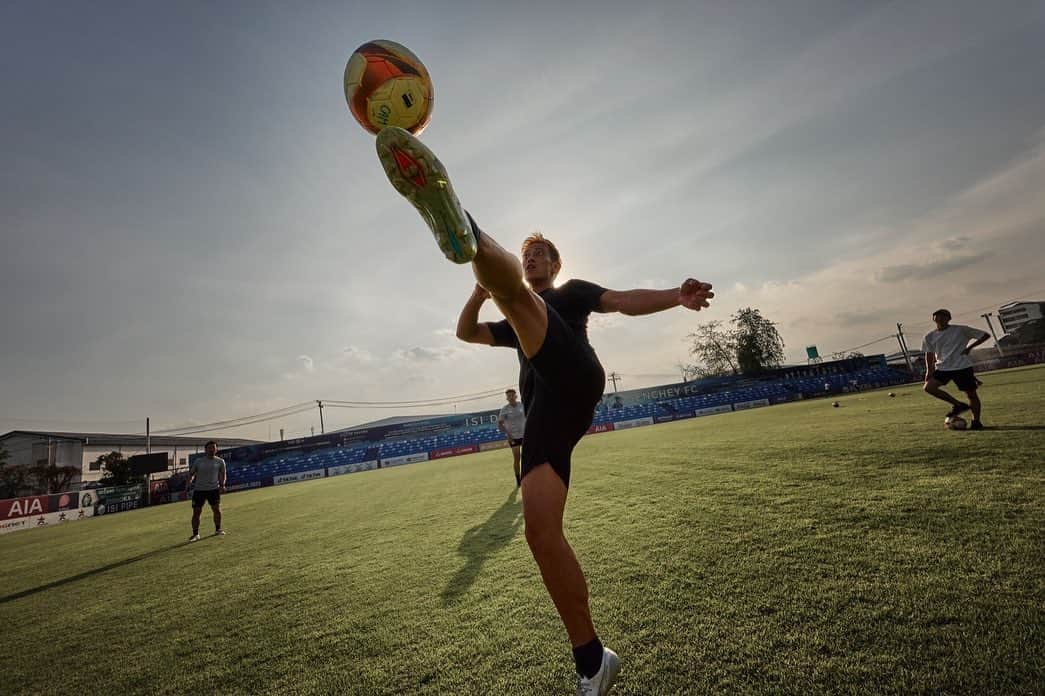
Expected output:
{"points": [[947, 359], [209, 475], [512, 421]]}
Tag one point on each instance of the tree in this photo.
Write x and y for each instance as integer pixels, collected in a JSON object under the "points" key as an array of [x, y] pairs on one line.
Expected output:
{"points": [[759, 346], [688, 371], [715, 349], [13, 479], [52, 478], [117, 469], [749, 346]]}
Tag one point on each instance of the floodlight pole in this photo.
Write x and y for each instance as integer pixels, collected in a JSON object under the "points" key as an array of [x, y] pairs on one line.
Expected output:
{"points": [[322, 430], [613, 377], [997, 345]]}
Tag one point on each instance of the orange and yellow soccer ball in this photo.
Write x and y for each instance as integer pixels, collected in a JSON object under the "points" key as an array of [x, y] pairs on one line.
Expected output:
{"points": [[387, 85]]}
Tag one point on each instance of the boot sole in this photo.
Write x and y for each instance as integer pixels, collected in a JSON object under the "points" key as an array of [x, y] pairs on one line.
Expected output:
{"points": [[418, 175]]}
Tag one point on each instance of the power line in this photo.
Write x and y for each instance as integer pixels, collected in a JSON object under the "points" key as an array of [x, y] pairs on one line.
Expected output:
{"points": [[233, 422], [229, 425]]}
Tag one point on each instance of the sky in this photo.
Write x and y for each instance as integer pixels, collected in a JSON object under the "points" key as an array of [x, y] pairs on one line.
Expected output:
{"points": [[194, 229]]}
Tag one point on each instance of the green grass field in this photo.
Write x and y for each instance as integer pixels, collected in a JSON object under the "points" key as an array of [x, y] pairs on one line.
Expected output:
{"points": [[797, 549]]}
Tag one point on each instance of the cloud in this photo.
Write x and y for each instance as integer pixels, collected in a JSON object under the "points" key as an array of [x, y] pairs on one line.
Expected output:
{"points": [[860, 318], [425, 354], [953, 243], [355, 354], [993, 232], [901, 272]]}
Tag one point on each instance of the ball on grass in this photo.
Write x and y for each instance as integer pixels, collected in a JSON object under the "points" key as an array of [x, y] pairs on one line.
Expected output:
{"points": [[835, 404]]}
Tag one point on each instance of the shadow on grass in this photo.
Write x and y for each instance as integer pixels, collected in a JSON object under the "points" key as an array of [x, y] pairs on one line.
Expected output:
{"points": [[89, 573], [482, 541], [1014, 427]]}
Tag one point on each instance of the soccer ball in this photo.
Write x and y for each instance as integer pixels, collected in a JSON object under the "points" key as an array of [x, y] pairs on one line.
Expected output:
{"points": [[387, 85], [955, 423]]}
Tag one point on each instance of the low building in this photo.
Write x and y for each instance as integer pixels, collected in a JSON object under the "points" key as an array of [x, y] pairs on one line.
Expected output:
{"points": [[1015, 314], [82, 450]]}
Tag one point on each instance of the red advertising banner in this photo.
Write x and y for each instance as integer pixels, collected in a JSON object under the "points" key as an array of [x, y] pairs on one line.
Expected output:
{"points": [[159, 492], [13, 508], [23, 507], [600, 428], [453, 451]]}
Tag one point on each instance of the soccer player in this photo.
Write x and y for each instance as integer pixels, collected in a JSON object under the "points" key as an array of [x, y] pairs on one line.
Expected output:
{"points": [[560, 376], [510, 421], [947, 358], [209, 474]]}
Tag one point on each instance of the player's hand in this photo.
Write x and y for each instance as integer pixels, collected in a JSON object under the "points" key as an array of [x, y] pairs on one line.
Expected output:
{"points": [[221, 490], [966, 351], [695, 295], [480, 292]]}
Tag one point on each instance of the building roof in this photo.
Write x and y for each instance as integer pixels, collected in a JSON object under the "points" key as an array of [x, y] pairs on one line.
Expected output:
{"points": [[1020, 303], [118, 439]]}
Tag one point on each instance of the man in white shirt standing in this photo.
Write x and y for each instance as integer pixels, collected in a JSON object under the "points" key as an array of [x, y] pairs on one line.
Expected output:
{"points": [[512, 421], [209, 474], [947, 358]]}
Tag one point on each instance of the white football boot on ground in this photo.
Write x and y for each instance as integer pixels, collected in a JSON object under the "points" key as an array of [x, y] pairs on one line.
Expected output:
{"points": [[600, 684]]}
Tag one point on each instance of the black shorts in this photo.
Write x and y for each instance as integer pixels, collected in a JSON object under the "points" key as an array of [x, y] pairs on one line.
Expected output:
{"points": [[515, 442], [964, 379], [212, 497], [565, 386]]}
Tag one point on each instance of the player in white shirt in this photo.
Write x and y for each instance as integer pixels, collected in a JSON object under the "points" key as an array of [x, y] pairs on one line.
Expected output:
{"points": [[512, 421], [947, 358], [209, 475]]}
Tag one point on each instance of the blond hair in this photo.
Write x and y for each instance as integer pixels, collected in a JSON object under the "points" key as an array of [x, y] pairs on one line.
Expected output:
{"points": [[536, 238]]}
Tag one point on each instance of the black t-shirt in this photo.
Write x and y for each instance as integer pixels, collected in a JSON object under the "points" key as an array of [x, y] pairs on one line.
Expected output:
{"points": [[574, 301]]}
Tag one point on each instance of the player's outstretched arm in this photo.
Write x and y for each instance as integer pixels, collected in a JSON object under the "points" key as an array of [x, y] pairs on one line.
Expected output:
{"points": [[469, 329], [692, 294]]}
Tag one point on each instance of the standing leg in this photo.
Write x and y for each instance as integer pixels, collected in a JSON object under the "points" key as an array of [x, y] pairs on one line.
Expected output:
{"points": [[974, 404], [196, 512], [216, 509], [544, 499], [517, 458]]}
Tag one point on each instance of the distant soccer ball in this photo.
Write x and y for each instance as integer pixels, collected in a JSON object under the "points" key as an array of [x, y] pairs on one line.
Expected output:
{"points": [[835, 404], [387, 85], [955, 423], [892, 393]]}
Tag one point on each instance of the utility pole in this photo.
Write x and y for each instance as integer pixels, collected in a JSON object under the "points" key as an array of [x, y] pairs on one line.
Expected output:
{"points": [[322, 430], [148, 450], [997, 345], [613, 377], [903, 348], [281, 434]]}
